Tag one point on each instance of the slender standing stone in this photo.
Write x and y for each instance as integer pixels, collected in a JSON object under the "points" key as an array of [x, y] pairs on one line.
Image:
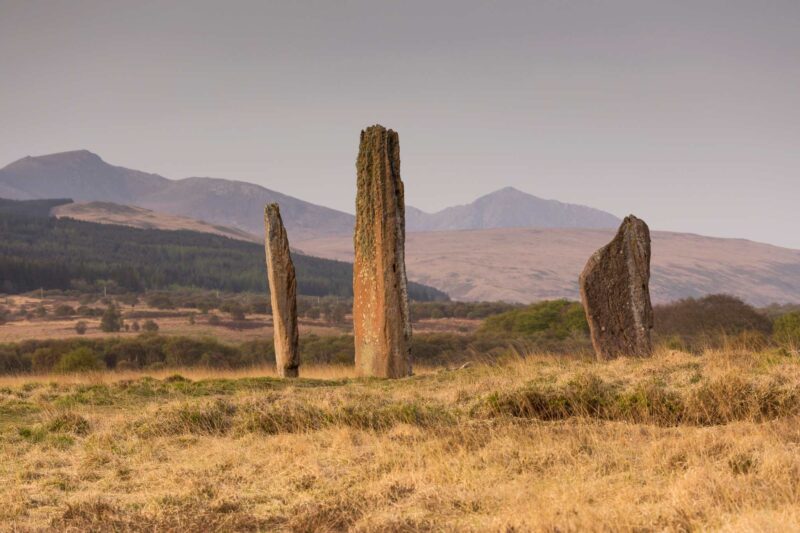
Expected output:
{"points": [[616, 294], [380, 295], [283, 292]]}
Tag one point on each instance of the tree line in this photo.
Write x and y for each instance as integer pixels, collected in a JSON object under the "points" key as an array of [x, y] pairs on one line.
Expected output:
{"points": [[42, 252]]}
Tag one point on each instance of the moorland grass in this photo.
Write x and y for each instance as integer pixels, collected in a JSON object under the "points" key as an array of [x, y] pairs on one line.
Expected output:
{"points": [[546, 443]]}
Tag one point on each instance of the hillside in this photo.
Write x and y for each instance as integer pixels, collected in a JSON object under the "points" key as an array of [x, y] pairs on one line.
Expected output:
{"points": [[85, 177], [60, 253], [139, 217], [525, 265], [510, 208]]}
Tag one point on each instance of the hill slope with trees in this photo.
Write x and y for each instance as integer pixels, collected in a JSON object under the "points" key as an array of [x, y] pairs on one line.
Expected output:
{"points": [[40, 251]]}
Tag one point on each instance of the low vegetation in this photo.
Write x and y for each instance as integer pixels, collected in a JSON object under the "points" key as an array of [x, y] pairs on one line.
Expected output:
{"points": [[678, 442], [559, 327]]}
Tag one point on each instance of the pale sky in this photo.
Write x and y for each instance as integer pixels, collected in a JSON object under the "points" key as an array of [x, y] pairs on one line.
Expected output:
{"points": [[684, 112]]}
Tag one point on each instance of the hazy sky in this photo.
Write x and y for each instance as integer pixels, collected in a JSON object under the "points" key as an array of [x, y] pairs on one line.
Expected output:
{"points": [[686, 113]]}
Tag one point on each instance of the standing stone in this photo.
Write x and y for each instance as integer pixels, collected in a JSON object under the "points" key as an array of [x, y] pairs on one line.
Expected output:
{"points": [[283, 292], [616, 295], [380, 295]]}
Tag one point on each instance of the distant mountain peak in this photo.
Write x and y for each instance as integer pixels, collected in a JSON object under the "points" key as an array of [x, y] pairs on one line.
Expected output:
{"points": [[510, 207], [71, 156], [507, 189]]}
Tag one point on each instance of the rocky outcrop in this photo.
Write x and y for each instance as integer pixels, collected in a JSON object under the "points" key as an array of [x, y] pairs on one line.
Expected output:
{"points": [[380, 297], [283, 292], [616, 294]]}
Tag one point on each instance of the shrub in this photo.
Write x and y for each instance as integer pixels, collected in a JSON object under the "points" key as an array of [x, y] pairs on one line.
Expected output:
{"points": [[135, 326], [787, 330], [711, 321], [44, 359], [182, 351], [236, 311], [85, 310], [78, 360], [63, 311], [150, 326], [12, 361], [160, 300], [80, 327], [112, 320], [554, 319], [337, 313]]}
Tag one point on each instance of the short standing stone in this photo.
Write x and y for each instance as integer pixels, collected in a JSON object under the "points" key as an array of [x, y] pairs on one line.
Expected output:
{"points": [[283, 291], [616, 294], [380, 296]]}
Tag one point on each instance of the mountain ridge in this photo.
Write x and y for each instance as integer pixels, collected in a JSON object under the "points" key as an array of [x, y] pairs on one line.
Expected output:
{"points": [[85, 177]]}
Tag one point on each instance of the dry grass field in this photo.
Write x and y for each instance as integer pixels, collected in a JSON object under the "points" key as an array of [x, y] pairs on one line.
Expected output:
{"points": [[177, 322], [259, 327], [674, 443]]}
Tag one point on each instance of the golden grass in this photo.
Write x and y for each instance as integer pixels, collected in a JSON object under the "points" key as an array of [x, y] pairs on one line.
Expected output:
{"points": [[675, 443], [193, 373]]}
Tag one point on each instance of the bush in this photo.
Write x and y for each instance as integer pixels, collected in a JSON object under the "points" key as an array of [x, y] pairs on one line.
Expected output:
{"points": [[85, 310], [80, 327], [64, 311], [78, 360], [236, 311], [786, 330], [150, 326], [12, 361], [554, 319], [711, 321], [160, 300], [112, 320], [44, 359], [337, 313]]}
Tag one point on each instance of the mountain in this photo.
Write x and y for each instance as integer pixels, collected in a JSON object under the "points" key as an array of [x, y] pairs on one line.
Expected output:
{"points": [[527, 265], [510, 208], [139, 217], [85, 177]]}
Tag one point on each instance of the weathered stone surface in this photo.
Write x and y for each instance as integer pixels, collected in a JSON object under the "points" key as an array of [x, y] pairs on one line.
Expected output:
{"points": [[615, 289], [380, 297], [283, 292]]}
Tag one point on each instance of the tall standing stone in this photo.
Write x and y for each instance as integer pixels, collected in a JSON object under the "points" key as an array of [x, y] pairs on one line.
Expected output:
{"points": [[283, 292], [616, 294], [380, 295]]}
